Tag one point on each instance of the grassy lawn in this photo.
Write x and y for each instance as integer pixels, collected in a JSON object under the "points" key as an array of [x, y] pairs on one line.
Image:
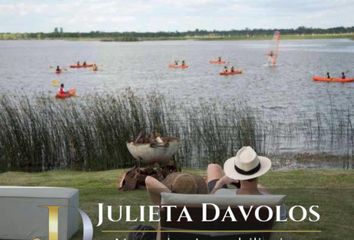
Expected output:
{"points": [[332, 190]]}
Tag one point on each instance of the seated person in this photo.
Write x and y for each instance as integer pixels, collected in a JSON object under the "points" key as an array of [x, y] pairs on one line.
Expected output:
{"points": [[61, 89], [243, 169], [343, 75], [232, 69], [225, 69]]}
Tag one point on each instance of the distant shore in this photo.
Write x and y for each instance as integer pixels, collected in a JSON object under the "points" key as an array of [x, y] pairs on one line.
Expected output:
{"points": [[208, 37]]}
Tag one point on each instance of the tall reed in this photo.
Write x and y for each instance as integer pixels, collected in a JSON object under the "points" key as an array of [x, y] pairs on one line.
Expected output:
{"points": [[90, 133]]}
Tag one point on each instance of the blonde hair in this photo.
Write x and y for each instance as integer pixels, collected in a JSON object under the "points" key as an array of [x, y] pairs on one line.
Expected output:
{"points": [[185, 183]]}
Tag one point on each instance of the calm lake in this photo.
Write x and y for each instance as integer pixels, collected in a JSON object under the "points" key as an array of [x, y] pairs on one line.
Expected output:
{"points": [[285, 93]]}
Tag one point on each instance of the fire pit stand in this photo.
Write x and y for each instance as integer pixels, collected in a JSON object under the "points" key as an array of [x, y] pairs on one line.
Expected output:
{"points": [[155, 154]]}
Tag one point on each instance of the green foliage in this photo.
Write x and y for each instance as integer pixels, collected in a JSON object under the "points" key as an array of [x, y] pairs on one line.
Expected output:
{"points": [[91, 133], [40, 133], [300, 32]]}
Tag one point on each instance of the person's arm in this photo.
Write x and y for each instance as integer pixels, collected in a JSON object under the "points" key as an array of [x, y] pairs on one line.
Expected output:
{"points": [[155, 188], [223, 181]]}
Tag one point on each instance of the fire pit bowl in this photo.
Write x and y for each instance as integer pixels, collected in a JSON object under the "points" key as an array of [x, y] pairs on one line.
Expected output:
{"points": [[149, 153]]}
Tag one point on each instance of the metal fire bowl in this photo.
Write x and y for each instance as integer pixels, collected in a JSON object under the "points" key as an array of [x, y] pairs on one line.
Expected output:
{"points": [[148, 153]]}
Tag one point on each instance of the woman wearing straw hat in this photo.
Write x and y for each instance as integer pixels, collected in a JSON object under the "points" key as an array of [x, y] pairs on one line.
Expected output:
{"points": [[242, 170]]}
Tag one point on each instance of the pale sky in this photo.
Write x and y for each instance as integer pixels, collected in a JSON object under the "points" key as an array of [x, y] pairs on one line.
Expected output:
{"points": [[171, 15]]}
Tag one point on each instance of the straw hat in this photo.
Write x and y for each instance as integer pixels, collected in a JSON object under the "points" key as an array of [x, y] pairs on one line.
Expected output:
{"points": [[246, 165], [185, 183]]}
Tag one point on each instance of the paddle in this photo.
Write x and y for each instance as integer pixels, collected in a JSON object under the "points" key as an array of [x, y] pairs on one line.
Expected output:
{"points": [[65, 69], [55, 83]]}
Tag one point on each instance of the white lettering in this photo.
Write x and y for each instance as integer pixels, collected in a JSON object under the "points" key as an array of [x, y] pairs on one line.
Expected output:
{"points": [[185, 214], [314, 213], [270, 213], [291, 213], [229, 214], [205, 212], [154, 211], [168, 212]]}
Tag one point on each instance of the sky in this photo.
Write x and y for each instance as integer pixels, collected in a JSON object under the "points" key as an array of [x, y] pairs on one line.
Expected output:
{"points": [[171, 15]]}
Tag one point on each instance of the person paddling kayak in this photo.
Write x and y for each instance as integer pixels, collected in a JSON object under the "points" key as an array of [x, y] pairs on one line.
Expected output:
{"points": [[219, 59], [226, 69], [58, 70], [183, 63], [343, 75], [232, 69], [84, 64], [61, 89], [328, 76], [176, 62]]}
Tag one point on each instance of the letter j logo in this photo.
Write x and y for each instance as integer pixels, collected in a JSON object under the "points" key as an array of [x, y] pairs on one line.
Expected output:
{"points": [[53, 212]]}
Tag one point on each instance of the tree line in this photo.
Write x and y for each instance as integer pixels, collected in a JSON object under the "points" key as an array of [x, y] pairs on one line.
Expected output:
{"points": [[59, 33]]}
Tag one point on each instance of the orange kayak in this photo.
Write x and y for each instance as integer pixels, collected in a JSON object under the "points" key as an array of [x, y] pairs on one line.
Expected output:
{"points": [[325, 79], [231, 73], [70, 93], [178, 66], [81, 66], [217, 62]]}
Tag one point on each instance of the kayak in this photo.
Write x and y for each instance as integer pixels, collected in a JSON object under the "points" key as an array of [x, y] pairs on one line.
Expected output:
{"points": [[325, 79], [70, 93], [81, 66], [178, 66], [231, 73], [217, 62]]}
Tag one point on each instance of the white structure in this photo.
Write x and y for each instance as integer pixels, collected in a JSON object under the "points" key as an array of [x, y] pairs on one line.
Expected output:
{"points": [[24, 215]]}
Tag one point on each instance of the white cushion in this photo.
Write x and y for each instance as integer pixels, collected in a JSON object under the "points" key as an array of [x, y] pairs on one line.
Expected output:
{"points": [[222, 200], [24, 217]]}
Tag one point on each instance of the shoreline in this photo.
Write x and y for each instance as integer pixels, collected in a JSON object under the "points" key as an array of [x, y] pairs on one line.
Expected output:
{"points": [[349, 36]]}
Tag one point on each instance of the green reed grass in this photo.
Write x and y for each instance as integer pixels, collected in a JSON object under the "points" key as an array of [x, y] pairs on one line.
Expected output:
{"points": [[90, 133]]}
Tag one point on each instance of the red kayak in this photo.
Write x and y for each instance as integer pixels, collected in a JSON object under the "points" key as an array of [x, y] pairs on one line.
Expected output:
{"points": [[178, 66], [81, 66], [325, 79], [217, 62], [231, 73], [70, 93]]}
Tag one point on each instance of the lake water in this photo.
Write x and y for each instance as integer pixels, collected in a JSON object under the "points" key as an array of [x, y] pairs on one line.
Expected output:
{"points": [[285, 93]]}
